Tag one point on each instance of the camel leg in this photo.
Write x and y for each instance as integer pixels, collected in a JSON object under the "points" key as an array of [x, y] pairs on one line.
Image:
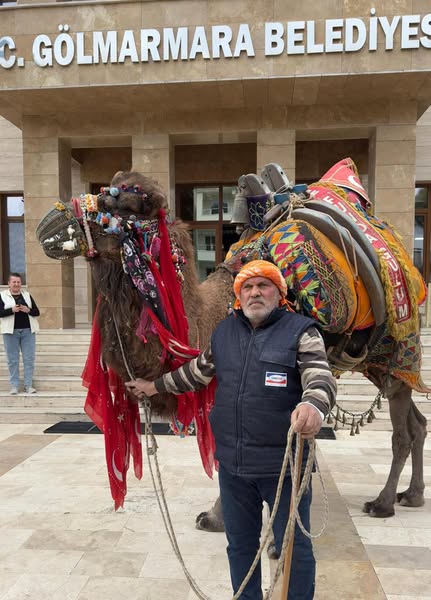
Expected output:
{"points": [[414, 495], [408, 435], [212, 519]]}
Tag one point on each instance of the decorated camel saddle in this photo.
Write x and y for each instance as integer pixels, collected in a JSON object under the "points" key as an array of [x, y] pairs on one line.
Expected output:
{"points": [[344, 267]]}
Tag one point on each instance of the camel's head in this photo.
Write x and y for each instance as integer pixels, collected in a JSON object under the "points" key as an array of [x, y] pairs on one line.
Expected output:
{"points": [[131, 193], [92, 225]]}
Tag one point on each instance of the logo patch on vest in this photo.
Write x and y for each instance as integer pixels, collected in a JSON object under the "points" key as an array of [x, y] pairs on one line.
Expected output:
{"points": [[275, 379]]}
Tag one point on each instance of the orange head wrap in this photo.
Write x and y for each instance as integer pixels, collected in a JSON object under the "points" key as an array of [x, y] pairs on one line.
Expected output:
{"points": [[260, 268]]}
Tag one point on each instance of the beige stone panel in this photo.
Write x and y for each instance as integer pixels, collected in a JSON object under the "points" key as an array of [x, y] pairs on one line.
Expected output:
{"points": [[282, 155], [56, 76], [79, 18], [276, 137], [337, 115], [160, 14], [420, 6], [102, 74], [284, 66], [332, 89], [241, 67], [101, 16], [242, 11], [151, 160], [50, 318], [97, 124], [47, 292], [361, 8], [45, 163], [255, 92], [273, 117], [394, 177], [306, 90], [421, 59], [389, 153], [150, 142], [306, 10], [35, 126], [8, 130], [394, 199], [397, 133], [280, 91], [162, 178], [423, 173], [315, 64], [11, 164], [219, 120], [381, 60], [423, 156], [7, 20], [231, 94], [37, 145], [180, 70], [8, 79], [49, 274], [423, 135], [43, 186], [402, 112]]}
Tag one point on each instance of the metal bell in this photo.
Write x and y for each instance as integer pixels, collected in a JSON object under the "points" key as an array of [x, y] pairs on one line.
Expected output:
{"points": [[240, 210]]}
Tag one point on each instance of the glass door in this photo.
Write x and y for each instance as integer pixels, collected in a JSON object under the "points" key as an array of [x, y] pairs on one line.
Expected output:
{"points": [[208, 210]]}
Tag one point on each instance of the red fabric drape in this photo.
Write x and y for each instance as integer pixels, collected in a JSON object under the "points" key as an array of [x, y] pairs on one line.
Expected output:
{"points": [[109, 408]]}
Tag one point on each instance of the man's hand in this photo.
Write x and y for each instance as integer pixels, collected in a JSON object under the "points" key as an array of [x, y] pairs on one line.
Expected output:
{"points": [[306, 420], [23, 308], [141, 388]]}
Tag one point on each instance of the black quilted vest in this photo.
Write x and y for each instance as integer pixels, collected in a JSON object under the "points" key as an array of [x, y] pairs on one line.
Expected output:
{"points": [[258, 386]]}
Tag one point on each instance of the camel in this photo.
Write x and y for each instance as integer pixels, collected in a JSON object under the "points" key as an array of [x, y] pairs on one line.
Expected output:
{"points": [[133, 200]]}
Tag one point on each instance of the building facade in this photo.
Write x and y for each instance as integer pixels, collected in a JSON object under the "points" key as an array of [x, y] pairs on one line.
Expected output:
{"points": [[195, 93]]}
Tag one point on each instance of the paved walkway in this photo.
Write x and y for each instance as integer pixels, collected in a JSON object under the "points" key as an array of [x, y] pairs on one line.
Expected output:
{"points": [[61, 540]]}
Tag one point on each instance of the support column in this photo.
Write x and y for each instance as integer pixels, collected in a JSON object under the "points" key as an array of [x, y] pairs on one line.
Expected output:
{"points": [[153, 156], [392, 173], [47, 178], [277, 145]]}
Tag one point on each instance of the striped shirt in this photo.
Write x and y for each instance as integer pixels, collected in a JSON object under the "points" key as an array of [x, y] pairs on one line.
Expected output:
{"points": [[318, 384]]}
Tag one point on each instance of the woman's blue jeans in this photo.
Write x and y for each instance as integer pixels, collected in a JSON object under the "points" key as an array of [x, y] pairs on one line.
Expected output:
{"points": [[241, 499], [25, 341]]}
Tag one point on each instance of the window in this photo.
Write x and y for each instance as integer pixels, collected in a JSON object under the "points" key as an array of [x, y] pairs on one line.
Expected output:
{"points": [[208, 210], [13, 236], [422, 242]]}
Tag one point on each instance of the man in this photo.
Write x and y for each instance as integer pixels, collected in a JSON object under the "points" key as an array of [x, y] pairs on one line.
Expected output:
{"points": [[272, 371], [18, 324]]}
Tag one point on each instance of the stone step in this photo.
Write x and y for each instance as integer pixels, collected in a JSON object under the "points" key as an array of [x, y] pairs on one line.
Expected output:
{"points": [[47, 368], [50, 383], [42, 401]]}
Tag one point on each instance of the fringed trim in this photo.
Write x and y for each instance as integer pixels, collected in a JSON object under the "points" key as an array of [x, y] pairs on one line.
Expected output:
{"points": [[399, 330], [333, 187]]}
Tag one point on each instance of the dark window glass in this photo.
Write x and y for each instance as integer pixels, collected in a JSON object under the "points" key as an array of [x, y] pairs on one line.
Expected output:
{"points": [[16, 247], [12, 235], [421, 197]]}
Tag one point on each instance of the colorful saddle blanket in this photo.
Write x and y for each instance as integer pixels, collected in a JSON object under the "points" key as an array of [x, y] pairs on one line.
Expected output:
{"points": [[317, 274], [403, 285]]}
